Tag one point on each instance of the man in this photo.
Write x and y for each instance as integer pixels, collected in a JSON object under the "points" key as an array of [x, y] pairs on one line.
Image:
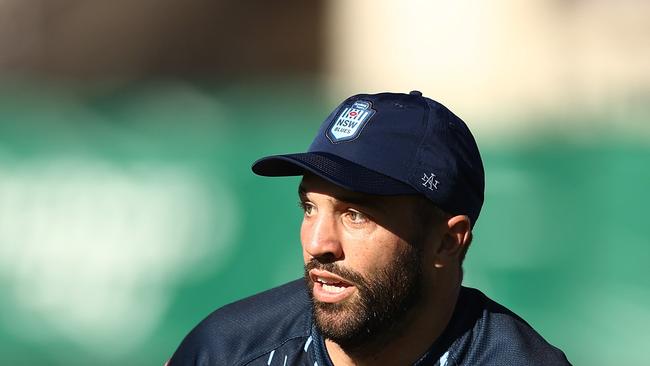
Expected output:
{"points": [[392, 187]]}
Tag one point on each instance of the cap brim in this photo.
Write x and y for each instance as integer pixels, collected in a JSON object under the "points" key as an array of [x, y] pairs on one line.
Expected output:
{"points": [[333, 168]]}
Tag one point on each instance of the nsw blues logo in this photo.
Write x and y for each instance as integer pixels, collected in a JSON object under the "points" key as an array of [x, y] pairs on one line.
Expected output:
{"points": [[350, 122]]}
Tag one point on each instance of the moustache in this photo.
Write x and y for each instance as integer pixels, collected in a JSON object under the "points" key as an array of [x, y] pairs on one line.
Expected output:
{"points": [[350, 276]]}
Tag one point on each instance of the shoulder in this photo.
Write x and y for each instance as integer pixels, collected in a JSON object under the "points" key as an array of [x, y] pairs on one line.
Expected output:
{"points": [[500, 337], [247, 329]]}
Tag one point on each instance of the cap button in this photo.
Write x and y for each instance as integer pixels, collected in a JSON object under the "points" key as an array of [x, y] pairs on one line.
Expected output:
{"points": [[415, 92]]}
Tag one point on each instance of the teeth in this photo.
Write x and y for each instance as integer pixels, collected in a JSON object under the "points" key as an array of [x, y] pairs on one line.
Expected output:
{"points": [[329, 285], [323, 280], [330, 288]]}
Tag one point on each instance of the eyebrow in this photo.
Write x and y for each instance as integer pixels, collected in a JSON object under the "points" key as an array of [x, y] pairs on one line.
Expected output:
{"points": [[357, 199]]}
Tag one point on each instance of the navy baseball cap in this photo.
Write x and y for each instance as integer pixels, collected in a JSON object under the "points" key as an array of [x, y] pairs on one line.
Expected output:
{"points": [[393, 144]]}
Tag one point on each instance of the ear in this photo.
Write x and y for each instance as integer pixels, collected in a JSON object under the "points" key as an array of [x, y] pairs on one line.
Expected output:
{"points": [[455, 241]]}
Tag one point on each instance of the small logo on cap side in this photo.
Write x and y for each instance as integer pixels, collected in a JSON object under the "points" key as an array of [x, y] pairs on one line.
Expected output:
{"points": [[430, 182], [348, 125]]}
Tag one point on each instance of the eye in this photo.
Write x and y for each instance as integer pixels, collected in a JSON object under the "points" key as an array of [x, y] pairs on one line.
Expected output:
{"points": [[307, 207], [356, 217]]}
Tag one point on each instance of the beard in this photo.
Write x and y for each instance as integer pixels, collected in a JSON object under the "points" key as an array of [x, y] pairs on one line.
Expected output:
{"points": [[377, 311]]}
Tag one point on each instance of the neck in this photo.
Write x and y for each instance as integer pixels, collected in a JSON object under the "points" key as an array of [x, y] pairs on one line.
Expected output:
{"points": [[406, 345]]}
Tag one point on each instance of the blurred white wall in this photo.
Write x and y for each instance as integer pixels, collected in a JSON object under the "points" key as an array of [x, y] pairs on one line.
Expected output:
{"points": [[497, 62]]}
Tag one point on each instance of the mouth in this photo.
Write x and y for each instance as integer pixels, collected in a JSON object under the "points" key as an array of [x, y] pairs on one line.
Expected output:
{"points": [[329, 287]]}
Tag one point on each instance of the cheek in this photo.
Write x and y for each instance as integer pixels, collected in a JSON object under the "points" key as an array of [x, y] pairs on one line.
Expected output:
{"points": [[373, 253]]}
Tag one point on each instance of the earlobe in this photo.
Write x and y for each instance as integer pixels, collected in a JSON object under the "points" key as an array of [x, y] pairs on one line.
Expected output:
{"points": [[455, 241]]}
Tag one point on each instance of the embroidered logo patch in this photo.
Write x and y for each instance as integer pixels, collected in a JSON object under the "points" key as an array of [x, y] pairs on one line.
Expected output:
{"points": [[430, 181], [350, 122]]}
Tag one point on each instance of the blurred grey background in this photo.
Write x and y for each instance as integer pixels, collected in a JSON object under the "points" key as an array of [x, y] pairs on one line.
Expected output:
{"points": [[128, 210]]}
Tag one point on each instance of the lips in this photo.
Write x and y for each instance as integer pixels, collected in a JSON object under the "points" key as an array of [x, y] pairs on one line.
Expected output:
{"points": [[329, 287]]}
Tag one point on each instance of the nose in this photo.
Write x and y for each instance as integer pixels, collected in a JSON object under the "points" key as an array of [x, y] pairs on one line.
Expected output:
{"points": [[320, 239]]}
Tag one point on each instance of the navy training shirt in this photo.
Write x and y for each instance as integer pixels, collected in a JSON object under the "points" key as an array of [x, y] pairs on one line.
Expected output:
{"points": [[275, 328]]}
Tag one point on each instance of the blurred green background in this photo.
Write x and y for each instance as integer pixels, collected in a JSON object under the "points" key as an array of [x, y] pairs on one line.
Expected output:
{"points": [[128, 211]]}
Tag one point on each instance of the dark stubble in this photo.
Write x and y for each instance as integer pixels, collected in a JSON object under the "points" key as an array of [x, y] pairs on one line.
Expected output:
{"points": [[376, 312]]}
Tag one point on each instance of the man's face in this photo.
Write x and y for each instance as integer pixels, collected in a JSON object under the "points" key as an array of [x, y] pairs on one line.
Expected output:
{"points": [[363, 260]]}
